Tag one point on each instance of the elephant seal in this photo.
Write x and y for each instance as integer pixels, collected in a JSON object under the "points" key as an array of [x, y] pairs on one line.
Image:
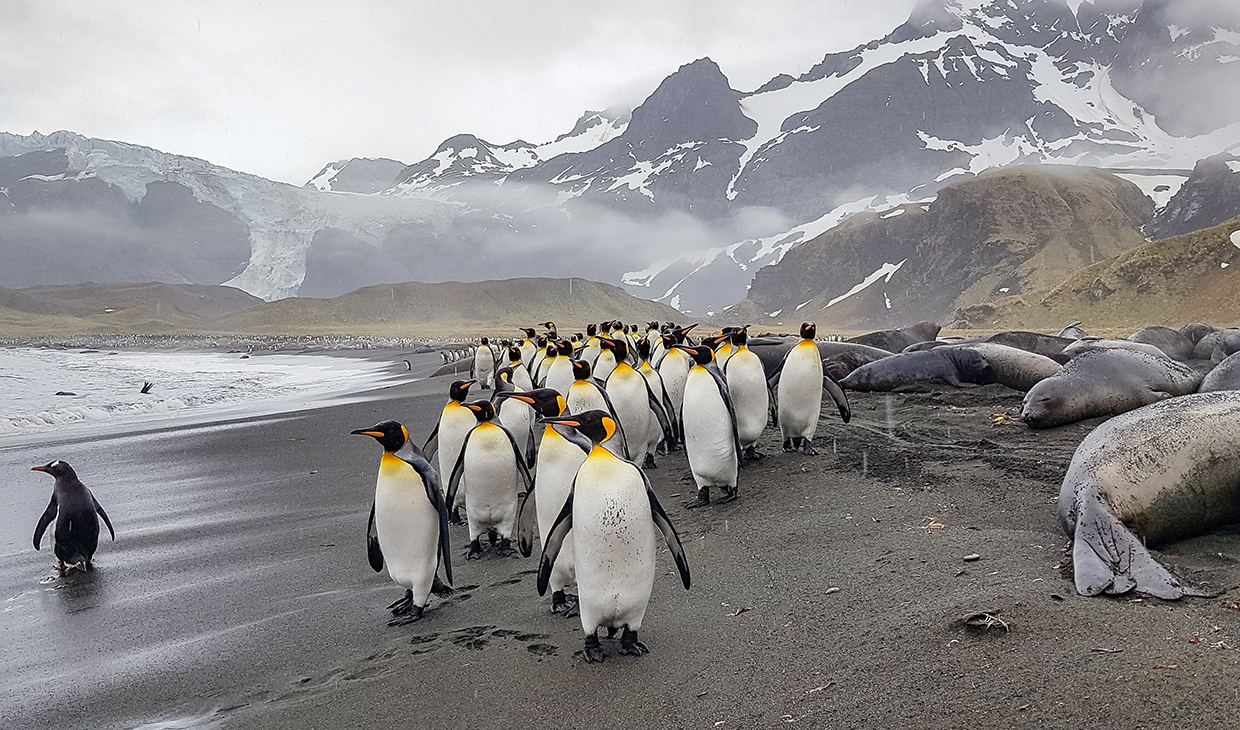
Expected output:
{"points": [[1105, 382], [1073, 331], [1048, 345], [897, 340], [945, 342], [1196, 331], [906, 371], [1224, 376], [976, 363], [1097, 343], [1167, 471], [1217, 345], [1172, 342], [848, 352]]}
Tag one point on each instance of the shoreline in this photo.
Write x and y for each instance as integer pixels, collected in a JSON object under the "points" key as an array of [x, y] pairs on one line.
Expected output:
{"points": [[831, 593]]}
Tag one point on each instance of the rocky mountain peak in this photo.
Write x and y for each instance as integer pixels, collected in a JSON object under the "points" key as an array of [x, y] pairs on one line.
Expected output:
{"points": [[694, 104]]}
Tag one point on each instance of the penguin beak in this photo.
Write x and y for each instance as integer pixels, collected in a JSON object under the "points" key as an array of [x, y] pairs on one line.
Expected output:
{"points": [[358, 432], [38, 468], [561, 420]]}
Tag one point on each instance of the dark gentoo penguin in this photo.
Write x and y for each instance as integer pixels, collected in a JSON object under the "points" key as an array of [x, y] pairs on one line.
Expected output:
{"points": [[74, 509], [612, 514], [408, 526]]}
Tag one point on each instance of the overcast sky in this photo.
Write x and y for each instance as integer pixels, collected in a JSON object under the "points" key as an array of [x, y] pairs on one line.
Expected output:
{"points": [[280, 88]]}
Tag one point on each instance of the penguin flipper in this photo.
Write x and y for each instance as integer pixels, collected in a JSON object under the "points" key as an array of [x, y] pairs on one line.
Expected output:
{"points": [[727, 401], [430, 480], [432, 443], [458, 470], [837, 395], [374, 553], [45, 521], [526, 513], [669, 533], [104, 515], [554, 541], [624, 442], [669, 433]]}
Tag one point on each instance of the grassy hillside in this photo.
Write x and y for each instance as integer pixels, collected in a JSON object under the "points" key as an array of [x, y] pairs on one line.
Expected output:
{"points": [[1193, 277]]}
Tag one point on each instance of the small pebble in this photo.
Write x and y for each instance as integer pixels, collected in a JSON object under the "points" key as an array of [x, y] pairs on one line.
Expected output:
{"points": [[832, 589], [971, 557]]}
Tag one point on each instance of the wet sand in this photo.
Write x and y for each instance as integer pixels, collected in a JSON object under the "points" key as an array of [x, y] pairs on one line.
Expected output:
{"points": [[237, 594]]}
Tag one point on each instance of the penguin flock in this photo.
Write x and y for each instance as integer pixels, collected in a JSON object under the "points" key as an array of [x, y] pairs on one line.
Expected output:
{"points": [[561, 448]]}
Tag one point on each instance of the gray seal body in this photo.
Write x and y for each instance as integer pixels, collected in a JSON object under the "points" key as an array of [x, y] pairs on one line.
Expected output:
{"points": [[1154, 475]]}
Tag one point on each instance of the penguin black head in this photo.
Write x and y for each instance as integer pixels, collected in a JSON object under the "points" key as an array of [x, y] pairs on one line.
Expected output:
{"points": [[591, 330], [618, 348], [668, 342], [485, 342], [643, 348], [56, 468], [701, 354], [514, 354], [740, 336], [652, 326], [504, 376], [581, 370], [546, 402], [459, 390], [680, 332], [529, 332], [598, 426], [715, 342], [390, 434], [483, 410], [808, 331], [566, 348]]}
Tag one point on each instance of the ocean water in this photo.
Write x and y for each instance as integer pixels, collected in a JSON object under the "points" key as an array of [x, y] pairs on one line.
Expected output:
{"points": [[104, 387]]}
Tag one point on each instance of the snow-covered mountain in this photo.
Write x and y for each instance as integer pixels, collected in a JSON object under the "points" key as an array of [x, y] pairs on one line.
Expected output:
{"points": [[683, 198]]}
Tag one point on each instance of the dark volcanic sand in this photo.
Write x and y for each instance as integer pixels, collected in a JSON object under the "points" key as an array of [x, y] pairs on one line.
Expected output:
{"points": [[830, 594]]}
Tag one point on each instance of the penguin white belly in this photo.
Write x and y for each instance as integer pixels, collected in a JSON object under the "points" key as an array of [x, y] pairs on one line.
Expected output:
{"points": [[408, 527], [750, 398], [558, 462], [627, 390], [708, 432], [584, 397], [484, 367], [521, 378], [454, 425], [614, 544], [560, 375], [517, 418], [675, 371], [800, 391], [490, 482], [603, 366]]}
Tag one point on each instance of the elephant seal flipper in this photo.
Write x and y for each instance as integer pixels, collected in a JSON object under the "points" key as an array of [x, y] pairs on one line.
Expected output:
{"points": [[1107, 558]]}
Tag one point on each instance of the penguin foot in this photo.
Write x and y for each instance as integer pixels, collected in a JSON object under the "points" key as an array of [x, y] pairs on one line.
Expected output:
{"points": [[788, 447], [504, 549], [807, 447], [402, 604], [441, 589], [593, 651], [752, 453], [729, 495], [703, 499], [564, 604], [415, 614], [649, 463], [630, 645], [475, 550], [454, 517]]}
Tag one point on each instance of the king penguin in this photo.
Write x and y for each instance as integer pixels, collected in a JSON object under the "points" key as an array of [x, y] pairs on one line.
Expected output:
{"points": [[455, 423], [408, 526], [560, 372], [520, 374], [641, 416], [528, 347], [74, 510], [561, 452], [513, 415], [489, 465], [711, 440], [751, 399], [801, 381], [484, 365], [612, 513]]}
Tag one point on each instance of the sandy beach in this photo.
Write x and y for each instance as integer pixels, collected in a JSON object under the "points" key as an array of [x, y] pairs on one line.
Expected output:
{"points": [[831, 594]]}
